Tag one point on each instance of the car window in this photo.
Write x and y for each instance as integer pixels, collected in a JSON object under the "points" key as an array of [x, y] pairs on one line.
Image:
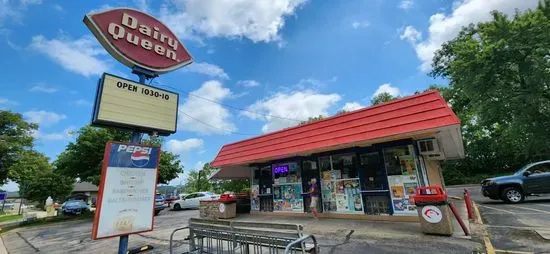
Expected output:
{"points": [[200, 195], [191, 196], [541, 168]]}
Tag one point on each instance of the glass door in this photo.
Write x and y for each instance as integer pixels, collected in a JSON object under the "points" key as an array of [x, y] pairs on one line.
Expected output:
{"points": [[374, 187]]}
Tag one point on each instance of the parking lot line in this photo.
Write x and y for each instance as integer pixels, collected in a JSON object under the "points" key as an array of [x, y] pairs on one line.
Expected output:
{"points": [[497, 209], [513, 252], [532, 209], [486, 240], [543, 205]]}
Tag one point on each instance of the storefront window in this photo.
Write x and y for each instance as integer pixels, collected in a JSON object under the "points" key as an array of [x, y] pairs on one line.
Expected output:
{"points": [[287, 187], [400, 163], [340, 184]]}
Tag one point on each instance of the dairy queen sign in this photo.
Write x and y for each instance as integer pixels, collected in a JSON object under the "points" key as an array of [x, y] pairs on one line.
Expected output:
{"points": [[126, 197], [137, 39]]}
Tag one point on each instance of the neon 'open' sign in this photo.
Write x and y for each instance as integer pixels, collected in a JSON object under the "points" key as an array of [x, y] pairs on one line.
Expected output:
{"points": [[280, 169]]}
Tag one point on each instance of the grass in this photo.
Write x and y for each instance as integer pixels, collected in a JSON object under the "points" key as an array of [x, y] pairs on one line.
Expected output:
{"points": [[5, 218]]}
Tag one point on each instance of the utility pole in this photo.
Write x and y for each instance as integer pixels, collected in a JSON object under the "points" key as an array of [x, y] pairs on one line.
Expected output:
{"points": [[199, 181]]}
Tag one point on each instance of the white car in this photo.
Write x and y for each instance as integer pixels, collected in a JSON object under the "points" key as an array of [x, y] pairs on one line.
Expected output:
{"points": [[192, 201]]}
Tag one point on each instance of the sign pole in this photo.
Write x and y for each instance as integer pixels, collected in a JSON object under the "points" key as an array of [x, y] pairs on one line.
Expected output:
{"points": [[135, 139]]}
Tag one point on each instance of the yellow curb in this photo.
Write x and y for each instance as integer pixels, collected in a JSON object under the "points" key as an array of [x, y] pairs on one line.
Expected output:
{"points": [[488, 245], [456, 198]]}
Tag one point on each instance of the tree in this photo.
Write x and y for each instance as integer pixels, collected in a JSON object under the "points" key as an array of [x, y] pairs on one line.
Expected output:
{"points": [[84, 157], [499, 86], [198, 179], [313, 119], [382, 97], [30, 164], [39, 186], [15, 139]]}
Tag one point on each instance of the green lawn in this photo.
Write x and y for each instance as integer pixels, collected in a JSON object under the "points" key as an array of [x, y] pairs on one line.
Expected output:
{"points": [[4, 218]]}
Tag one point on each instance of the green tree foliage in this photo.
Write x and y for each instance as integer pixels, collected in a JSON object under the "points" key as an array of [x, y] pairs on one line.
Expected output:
{"points": [[46, 183], [195, 183], [500, 88], [313, 119], [15, 139], [29, 164], [84, 157], [382, 97]]}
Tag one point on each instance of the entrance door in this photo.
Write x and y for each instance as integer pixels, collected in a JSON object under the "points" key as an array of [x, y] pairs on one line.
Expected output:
{"points": [[375, 175], [374, 185]]}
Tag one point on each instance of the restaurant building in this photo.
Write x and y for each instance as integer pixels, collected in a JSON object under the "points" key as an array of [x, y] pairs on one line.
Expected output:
{"points": [[367, 162]]}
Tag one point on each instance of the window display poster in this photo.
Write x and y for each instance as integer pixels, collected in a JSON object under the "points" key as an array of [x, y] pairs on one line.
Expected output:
{"points": [[343, 196], [288, 198], [397, 191], [255, 199], [402, 187], [410, 188]]}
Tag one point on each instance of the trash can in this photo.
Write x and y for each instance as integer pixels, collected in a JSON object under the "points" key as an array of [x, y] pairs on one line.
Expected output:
{"points": [[227, 207], [433, 210]]}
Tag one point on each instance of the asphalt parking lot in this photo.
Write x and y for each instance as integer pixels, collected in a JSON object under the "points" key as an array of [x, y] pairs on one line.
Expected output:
{"points": [[334, 236], [513, 228]]}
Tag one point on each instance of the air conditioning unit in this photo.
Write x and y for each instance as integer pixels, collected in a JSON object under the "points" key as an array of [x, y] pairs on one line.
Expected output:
{"points": [[429, 148]]}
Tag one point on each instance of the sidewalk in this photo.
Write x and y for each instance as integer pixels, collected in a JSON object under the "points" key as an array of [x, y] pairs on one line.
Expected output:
{"points": [[364, 228]]}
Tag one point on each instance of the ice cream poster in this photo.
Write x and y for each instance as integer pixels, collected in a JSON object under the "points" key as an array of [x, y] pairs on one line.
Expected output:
{"points": [[126, 197]]}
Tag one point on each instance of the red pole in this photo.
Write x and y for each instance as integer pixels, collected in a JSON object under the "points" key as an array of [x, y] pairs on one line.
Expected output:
{"points": [[457, 216], [468, 201]]}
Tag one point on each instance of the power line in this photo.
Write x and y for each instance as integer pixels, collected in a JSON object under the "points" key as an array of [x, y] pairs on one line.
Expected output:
{"points": [[216, 127], [232, 107]]}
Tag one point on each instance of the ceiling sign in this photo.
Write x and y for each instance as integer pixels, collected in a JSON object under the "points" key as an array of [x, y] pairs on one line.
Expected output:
{"points": [[127, 104], [135, 38]]}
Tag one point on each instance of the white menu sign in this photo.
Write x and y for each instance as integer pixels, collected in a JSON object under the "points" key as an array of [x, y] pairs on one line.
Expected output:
{"points": [[126, 199]]}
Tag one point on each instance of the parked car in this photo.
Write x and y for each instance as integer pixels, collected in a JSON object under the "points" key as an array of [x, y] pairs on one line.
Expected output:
{"points": [[192, 201], [532, 179], [74, 207], [160, 203], [171, 198]]}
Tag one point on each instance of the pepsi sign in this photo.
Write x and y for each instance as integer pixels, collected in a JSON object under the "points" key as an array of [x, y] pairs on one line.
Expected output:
{"points": [[133, 156]]}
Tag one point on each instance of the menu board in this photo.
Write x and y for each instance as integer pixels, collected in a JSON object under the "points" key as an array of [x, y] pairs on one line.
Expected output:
{"points": [[342, 196]]}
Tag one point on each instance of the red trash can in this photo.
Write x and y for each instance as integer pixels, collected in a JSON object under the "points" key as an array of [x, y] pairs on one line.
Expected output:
{"points": [[433, 210]]}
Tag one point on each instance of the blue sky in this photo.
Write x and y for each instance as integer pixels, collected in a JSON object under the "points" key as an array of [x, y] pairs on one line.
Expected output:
{"points": [[278, 61]]}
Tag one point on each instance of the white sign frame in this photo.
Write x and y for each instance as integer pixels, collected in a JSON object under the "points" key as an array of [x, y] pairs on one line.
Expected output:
{"points": [[123, 205]]}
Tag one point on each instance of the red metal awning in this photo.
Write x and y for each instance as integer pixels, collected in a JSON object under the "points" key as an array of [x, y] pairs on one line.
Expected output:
{"points": [[408, 115]]}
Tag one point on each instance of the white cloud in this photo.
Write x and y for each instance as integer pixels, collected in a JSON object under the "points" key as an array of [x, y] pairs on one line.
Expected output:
{"points": [[299, 105], [58, 7], [360, 24], [80, 56], [406, 4], [387, 88], [210, 70], [204, 116], [181, 146], [143, 5], [210, 51], [66, 134], [82, 102], [43, 89], [248, 83], [444, 27], [259, 21], [351, 106], [7, 101], [411, 35], [44, 118], [12, 10]]}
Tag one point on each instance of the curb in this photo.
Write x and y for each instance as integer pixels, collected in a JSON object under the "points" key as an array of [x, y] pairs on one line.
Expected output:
{"points": [[489, 248]]}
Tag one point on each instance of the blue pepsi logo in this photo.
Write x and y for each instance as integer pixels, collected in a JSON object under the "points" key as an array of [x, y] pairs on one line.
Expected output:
{"points": [[140, 158]]}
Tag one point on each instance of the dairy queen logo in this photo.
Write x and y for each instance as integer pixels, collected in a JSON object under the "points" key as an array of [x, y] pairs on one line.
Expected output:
{"points": [[140, 158], [135, 38]]}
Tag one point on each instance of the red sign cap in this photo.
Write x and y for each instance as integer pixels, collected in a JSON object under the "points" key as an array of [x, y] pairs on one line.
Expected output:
{"points": [[135, 38]]}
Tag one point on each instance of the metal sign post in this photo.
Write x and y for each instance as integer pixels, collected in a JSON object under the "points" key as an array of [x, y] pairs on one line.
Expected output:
{"points": [[143, 75]]}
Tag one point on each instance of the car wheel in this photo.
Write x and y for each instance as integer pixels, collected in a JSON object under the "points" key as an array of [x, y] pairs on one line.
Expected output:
{"points": [[177, 207], [512, 195]]}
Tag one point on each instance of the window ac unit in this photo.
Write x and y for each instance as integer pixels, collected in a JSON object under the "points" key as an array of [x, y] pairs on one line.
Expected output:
{"points": [[429, 148]]}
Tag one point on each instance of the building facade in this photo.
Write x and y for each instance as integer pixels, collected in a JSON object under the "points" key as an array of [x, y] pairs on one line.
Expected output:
{"points": [[367, 163]]}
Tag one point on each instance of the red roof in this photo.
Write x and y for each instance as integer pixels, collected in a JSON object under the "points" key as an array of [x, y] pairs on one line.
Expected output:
{"points": [[407, 115]]}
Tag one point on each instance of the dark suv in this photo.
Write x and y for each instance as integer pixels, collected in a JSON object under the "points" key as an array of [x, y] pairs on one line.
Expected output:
{"points": [[532, 179]]}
